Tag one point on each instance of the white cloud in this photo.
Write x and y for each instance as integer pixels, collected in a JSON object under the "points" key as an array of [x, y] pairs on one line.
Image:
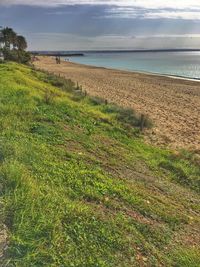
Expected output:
{"points": [[175, 15], [173, 9], [139, 3], [153, 13]]}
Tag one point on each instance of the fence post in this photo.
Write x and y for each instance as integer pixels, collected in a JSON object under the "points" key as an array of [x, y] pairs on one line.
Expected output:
{"points": [[142, 121]]}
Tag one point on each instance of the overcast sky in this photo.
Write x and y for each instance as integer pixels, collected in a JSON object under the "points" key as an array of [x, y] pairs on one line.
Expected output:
{"points": [[107, 24]]}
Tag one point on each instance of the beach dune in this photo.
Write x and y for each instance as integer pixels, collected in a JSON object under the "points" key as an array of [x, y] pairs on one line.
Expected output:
{"points": [[172, 104]]}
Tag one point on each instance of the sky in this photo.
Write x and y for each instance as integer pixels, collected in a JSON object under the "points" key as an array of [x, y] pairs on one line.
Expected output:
{"points": [[104, 25]]}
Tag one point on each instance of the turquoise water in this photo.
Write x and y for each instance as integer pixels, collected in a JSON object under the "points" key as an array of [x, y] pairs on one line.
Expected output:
{"points": [[185, 64]]}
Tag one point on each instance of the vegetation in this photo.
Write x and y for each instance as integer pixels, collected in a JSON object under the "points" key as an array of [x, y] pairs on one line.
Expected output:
{"points": [[80, 188], [13, 46]]}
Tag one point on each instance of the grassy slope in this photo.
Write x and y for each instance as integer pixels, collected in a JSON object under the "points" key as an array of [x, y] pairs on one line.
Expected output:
{"points": [[81, 190]]}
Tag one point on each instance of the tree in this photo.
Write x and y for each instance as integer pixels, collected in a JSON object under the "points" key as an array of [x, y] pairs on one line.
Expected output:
{"points": [[1, 38], [21, 43], [14, 46], [9, 37]]}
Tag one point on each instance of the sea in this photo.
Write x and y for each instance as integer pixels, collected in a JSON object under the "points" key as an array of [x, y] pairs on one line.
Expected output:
{"points": [[184, 64]]}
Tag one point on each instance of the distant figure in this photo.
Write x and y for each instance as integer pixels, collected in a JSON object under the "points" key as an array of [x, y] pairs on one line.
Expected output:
{"points": [[58, 60]]}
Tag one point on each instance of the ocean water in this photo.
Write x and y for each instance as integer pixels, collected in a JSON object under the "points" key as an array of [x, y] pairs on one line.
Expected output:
{"points": [[185, 64]]}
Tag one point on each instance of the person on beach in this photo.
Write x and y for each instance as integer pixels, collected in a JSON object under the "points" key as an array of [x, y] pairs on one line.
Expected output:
{"points": [[58, 60]]}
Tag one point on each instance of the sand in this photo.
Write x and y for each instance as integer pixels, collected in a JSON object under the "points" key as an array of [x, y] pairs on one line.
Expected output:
{"points": [[172, 104]]}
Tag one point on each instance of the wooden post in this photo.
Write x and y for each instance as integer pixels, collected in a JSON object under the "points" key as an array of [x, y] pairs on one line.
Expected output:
{"points": [[142, 121]]}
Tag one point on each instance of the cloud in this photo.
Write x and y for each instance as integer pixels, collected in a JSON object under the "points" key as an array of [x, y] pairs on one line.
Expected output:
{"points": [[145, 13], [186, 4], [149, 9]]}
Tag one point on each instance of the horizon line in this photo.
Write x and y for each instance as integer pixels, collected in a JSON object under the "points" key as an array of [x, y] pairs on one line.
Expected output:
{"points": [[122, 50]]}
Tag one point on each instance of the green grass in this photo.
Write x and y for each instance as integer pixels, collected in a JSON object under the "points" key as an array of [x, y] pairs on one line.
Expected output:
{"points": [[81, 188]]}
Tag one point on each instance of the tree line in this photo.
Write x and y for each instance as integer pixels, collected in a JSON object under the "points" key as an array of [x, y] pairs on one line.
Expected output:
{"points": [[13, 46]]}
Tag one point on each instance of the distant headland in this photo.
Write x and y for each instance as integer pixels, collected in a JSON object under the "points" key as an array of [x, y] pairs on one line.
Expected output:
{"points": [[56, 54]]}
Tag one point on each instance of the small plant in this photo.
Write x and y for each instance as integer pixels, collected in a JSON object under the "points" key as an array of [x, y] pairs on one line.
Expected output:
{"points": [[78, 96], [112, 108], [49, 96], [130, 117], [144, 122], [95, 100]]}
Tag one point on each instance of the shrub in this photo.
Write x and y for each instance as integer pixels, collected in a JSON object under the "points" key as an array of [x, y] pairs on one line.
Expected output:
{"points": [[127, 115], [112, 108], [130, 117], [144, 122], [78, 96], [17, 56], [95, 100]]}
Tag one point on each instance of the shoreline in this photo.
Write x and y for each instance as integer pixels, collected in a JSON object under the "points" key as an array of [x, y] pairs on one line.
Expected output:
{"points": [[165, 75], [173, 103], [141, 72]]}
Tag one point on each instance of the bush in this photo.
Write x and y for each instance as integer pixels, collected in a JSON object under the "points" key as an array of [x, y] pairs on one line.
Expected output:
{"points": [[144, 122], [130, 117], [95, 100], [112, 109], [78, 96], [17, 56]]}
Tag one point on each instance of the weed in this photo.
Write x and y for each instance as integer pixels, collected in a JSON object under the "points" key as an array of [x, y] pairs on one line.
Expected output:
{"points": [[98, 101], [49, 96], [78, 96]]}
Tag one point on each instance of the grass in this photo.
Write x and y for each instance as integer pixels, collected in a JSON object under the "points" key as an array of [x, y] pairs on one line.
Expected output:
{"points": [[81, 189]]}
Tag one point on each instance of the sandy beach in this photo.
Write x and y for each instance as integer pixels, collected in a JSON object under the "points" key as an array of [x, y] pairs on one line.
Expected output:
{"points": [[172, 104]]}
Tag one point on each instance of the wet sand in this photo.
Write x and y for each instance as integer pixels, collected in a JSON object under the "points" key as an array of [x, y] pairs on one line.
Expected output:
{"points": [[172, 103]]}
